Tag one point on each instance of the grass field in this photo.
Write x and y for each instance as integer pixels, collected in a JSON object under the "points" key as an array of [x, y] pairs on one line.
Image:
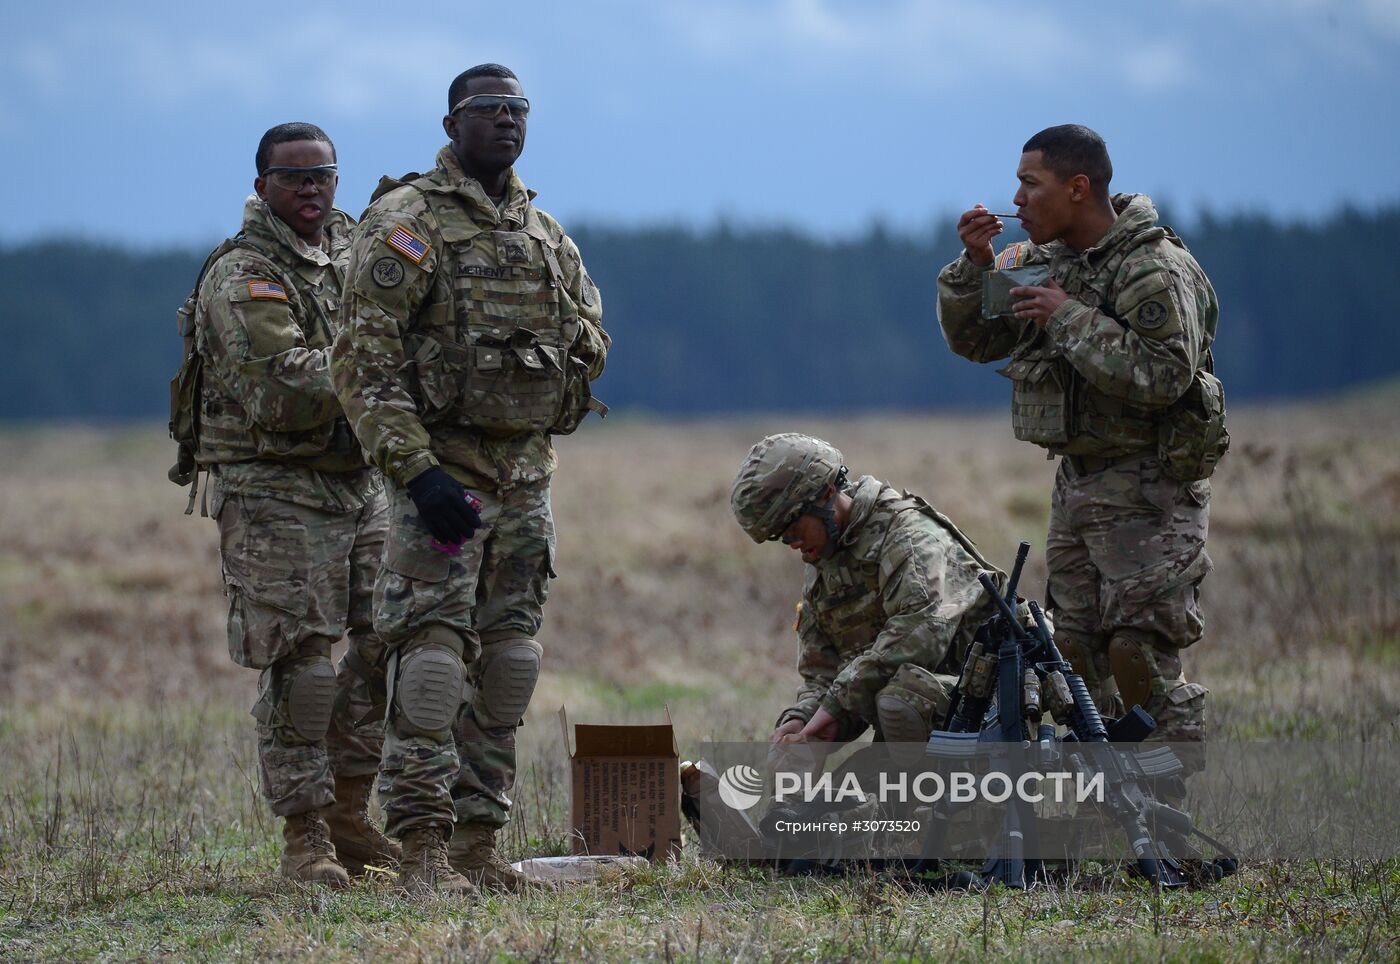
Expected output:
{"points": [[130, 825]]}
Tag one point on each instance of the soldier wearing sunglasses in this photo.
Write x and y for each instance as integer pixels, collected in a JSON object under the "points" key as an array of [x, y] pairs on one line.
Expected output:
{"points": [[301, 516], [471, 334]]}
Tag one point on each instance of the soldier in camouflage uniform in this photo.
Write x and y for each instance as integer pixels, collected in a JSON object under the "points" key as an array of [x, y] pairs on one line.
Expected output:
{"points": [[891, 600], [471, 334], [301, 516], [1107, 352]]}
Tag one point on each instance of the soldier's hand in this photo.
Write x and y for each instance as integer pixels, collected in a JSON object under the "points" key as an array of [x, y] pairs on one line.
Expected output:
{"points": [[1038, 304], [791, 727], [451, 513], [977, 228], [821, 728]]}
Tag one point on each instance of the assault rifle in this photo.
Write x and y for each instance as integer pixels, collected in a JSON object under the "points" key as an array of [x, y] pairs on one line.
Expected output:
{"points": [[1011, 674]]}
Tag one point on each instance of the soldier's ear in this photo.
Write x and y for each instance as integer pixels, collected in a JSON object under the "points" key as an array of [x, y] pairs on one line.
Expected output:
{"points": [[1079, 187], [260, 187], [449, 127]]}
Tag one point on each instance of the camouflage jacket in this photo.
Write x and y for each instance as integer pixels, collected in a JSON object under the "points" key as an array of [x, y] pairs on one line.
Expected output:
{"points": [[900, 588], [271, 424], [413, 298], [1139, 321]]}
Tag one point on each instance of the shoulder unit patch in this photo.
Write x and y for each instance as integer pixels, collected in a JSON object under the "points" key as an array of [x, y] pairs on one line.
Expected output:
{"points": [[408, 244], [267, 289], [387, 272], [1151, 315]]}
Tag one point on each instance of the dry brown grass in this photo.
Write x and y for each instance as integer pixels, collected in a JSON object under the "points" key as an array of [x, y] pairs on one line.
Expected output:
{"points": [[112, 659], [111, 595]]}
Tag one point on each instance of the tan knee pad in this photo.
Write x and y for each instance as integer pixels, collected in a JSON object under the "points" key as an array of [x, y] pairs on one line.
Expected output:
{"points": [[912, 704], [297, 695], [1131, 661], [900, 719], [1077, 656], [509, 669], [429, 682], [308, 697]]}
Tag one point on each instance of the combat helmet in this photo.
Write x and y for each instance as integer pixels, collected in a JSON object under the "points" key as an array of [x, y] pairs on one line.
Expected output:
{"points": [[783, 477]]}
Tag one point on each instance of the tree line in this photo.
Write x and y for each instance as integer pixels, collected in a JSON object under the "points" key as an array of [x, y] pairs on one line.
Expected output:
{"points": [[728, 320]]}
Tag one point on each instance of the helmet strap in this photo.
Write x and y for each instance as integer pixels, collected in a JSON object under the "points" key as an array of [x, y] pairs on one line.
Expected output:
{"points": [[827, 513]]}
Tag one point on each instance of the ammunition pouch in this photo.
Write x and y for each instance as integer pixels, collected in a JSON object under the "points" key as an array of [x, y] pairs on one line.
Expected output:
{"points": [[501, 387], [1042, 392], [578, 399], [228, 434], [1052, 406], [1191, 435]]}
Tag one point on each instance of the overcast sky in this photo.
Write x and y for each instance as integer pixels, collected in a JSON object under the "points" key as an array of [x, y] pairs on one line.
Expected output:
{"points": [[138, 121]]}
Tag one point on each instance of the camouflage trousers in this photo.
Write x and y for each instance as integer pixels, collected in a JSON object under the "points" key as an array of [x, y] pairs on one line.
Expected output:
{"points": [[489, 595], [297, 580], [1126, 554]]}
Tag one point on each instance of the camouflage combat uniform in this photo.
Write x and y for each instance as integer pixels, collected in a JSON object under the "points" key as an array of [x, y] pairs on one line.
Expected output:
{"points": [[1126, 547], [889, 614], [301, 517], [471, 333]]}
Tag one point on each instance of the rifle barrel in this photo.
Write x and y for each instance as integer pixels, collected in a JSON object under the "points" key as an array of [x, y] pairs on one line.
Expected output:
{"points": [[1022, 551], [1002, 604], [1044, 630]]}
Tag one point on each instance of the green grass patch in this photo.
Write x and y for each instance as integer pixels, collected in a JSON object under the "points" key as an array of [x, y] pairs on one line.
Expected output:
{"points": [[139, 845], [656, 695]]}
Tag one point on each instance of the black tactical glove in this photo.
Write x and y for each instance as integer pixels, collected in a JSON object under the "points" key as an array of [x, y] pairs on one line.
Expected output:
{"points": [[450, 512]]}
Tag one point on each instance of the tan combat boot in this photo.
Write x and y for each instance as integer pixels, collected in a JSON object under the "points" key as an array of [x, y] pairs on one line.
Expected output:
{"points": [[357, 840], [307, 854], [423, 869], [473, 854]]}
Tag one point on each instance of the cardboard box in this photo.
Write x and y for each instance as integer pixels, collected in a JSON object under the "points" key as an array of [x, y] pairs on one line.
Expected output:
{"points": [[625, 796]]}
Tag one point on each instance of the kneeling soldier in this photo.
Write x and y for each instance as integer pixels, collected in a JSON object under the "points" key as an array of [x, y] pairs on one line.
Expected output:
{"points": [[891, 599]]}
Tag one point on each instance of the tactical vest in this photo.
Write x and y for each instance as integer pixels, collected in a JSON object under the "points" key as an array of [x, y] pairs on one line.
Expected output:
{"points": [[851, 610], [1052, 405], [499, 360], [211, 426]]}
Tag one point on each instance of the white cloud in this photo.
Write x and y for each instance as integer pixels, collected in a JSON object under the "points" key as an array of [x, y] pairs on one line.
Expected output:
{"points": [[1362, 17], [1355, 35], [1154, 67], [359, 67], [40, 66], [936, 45], [1383, 15]]}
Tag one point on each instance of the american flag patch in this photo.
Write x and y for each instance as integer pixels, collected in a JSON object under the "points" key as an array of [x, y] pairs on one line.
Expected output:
{"points": [[1010, 256], [266, 289], [408, 244]]}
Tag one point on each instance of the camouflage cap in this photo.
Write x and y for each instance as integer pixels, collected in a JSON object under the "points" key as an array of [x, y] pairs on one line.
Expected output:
{"points": [[781, 476]]}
